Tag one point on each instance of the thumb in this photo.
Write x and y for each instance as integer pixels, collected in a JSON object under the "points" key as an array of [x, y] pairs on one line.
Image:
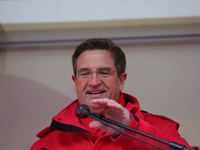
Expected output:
{"points": [[97, 124]]}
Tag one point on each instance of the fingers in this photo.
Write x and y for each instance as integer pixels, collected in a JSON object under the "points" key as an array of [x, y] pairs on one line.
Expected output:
{"points": [[99, 125], [103, 101], [109, 105], [96, 124], [106, 102]]}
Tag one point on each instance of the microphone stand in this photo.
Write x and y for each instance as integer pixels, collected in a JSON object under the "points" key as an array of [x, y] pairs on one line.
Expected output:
{"points": [[173, 145]]}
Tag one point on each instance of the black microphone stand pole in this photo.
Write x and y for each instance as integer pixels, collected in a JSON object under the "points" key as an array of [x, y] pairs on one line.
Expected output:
{"points": [[85, 112], [94, 116]]}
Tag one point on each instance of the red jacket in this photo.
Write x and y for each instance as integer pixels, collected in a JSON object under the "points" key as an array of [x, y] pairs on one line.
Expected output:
{"points": [[67, 131]]}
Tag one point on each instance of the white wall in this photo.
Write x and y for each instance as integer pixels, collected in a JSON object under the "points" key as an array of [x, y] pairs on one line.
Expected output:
{"points": [[37, 11]]}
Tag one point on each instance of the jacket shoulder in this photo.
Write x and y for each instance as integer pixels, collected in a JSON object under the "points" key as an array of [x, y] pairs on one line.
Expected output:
{"points": [[158, 119]]}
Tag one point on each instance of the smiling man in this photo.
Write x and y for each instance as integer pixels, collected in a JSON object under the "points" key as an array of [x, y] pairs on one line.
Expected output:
{"points": [[99, 76]]}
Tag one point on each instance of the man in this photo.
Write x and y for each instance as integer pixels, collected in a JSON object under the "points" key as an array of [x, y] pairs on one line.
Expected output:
{"points": [[99, 77]]}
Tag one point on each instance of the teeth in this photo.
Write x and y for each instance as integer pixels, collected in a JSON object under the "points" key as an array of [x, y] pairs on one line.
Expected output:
{"points": [[95, 92]]}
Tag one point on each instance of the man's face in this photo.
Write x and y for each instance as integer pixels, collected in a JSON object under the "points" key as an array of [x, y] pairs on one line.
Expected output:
{"points": [[95, 87]]}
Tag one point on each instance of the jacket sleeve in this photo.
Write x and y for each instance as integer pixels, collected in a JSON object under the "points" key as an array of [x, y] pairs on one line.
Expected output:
{"points": [[157, 126]]}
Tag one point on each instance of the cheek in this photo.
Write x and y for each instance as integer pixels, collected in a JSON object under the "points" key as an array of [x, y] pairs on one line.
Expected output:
{"points": [[80, 86], [113, 85]]}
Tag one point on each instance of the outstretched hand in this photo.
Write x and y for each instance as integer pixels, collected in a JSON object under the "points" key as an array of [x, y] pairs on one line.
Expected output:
{"points": [[113, 111]]}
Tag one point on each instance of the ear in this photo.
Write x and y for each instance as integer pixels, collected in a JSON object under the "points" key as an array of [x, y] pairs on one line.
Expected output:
{"points": [[75, 83], [122, 81]]}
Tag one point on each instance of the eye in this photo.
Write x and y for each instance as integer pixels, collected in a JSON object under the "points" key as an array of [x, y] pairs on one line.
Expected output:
{"points": [[85, 73], [104, 72]]}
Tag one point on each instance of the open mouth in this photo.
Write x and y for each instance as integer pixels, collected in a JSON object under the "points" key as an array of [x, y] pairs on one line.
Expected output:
{"points": [[96, 92]]}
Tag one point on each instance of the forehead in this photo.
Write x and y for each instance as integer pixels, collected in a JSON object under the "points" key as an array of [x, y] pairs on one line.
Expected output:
{"points": [[94, 59]]}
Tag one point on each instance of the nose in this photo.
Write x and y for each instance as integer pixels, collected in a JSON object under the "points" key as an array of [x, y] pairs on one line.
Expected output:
{"points": [[94, 81]]}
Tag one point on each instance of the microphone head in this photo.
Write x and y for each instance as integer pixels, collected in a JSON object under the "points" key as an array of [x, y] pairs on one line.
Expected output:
{"points": [[82, 111]]}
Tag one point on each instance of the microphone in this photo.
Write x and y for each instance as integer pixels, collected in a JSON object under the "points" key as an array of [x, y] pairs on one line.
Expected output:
{"points": [[83, 111]]}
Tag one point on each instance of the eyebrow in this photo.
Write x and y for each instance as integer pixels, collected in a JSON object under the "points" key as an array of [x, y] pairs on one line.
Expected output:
{"points": [[101, 68], [83, 69], [104, 68]]}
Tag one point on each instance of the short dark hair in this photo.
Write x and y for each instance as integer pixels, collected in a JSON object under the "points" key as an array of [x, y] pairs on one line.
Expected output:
{"points": [[118, 55]]}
